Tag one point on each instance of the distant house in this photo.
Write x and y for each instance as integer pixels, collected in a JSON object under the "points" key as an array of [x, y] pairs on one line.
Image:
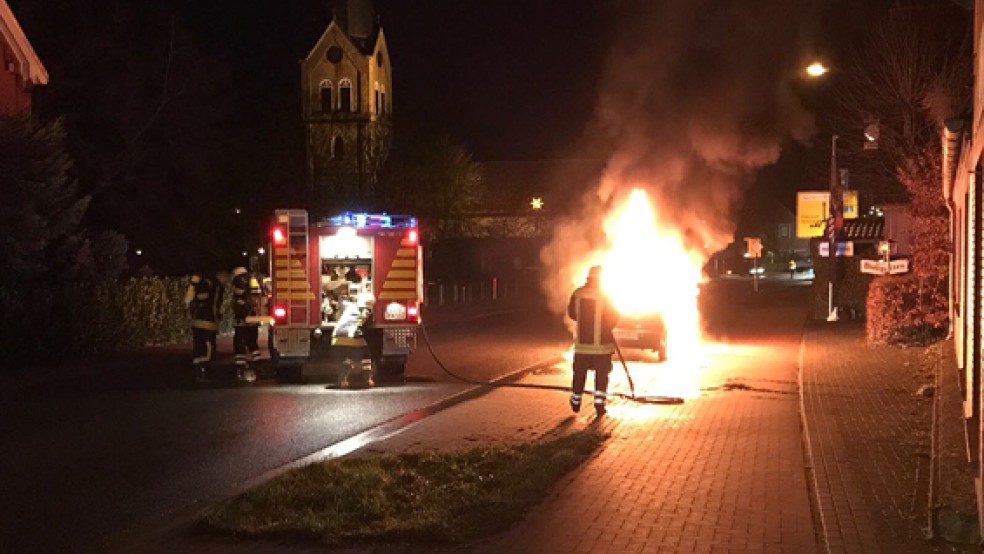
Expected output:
{"points": [[22, 69]]}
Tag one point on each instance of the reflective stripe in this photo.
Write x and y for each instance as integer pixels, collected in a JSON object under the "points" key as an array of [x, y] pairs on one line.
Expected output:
{"points": [[594, 349], [577, 397], [346, 341], [204, 324], [199, 360], [208, 351]]}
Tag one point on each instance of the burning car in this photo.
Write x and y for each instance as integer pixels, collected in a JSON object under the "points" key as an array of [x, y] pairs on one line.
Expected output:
{"points": [[644, 331]]}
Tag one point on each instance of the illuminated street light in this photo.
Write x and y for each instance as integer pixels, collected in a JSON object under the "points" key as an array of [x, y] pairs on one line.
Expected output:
{"points": [[237, 210], [139, 252], [261, 251], [245, 253], [537, 203], [816, 69]]}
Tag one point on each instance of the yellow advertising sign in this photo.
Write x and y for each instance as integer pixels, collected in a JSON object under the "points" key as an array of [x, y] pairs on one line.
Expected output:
{"points": [[813, 209]]}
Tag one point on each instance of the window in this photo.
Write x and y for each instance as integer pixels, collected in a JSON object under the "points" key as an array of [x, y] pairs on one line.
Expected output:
{"points": [[326, 95], [382, 100], [377, 99], [337, 148], [345, 95]]}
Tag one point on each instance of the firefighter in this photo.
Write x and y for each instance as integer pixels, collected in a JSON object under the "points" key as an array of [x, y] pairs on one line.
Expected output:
{"points": [[245, 339], [204, 300], [349, 343], [594, 318]]}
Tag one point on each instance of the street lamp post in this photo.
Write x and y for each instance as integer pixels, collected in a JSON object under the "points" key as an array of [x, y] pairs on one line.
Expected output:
{"points": [[834, 222]]}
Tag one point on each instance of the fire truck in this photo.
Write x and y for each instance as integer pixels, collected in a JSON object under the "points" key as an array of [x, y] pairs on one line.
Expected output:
{"points": [[319, 268]]}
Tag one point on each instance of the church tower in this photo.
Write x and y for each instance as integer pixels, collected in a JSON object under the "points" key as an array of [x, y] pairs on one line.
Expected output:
{"points": [[347, 106]]}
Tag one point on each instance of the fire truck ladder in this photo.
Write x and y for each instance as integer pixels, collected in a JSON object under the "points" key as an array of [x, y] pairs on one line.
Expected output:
{"points": [[293, 289]]}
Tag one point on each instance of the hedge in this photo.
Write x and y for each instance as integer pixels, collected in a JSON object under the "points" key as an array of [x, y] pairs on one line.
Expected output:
{"points": [[906, 309], [81, 320]]}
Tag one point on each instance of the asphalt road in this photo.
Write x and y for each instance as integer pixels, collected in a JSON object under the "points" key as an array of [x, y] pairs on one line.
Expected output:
{"points": [[90, 460], [87, 459]]}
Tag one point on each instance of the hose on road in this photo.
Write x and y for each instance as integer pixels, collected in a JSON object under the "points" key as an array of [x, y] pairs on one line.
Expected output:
{"points": [[499, 384]]}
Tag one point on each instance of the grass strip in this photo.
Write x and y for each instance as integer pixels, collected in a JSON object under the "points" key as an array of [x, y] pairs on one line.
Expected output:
{"points": [[427, 497]]}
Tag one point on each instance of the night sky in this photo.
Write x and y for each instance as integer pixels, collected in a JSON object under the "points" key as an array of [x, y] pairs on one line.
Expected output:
{"points": [[509, 79]]}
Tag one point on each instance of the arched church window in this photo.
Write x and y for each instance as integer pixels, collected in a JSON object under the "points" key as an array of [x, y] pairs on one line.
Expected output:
{"points": [[382, 99], [337, 149], [345, 95], [326, 95], [378, 108]]}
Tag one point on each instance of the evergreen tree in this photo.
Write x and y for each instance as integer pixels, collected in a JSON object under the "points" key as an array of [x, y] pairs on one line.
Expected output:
{"points": [[41, 210]]}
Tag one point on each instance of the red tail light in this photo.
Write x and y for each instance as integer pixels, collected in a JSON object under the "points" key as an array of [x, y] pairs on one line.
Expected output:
{"points": [[279, 236], [279, 312], [412, 236], [412, 313]]}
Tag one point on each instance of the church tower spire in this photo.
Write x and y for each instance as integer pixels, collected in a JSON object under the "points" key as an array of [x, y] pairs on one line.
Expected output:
{"points": [[347, 89]]}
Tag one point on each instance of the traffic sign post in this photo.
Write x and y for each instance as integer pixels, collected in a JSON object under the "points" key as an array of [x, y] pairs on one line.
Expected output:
{"points": [[754, 245]]}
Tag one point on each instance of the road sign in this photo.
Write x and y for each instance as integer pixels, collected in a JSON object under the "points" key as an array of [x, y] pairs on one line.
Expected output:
{"points": [[754, 247], [881, 267], [844, 249], [813, 209]]}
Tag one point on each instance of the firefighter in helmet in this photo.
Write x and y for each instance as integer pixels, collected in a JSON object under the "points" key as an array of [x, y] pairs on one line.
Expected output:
{"points": [[594, 319], [245, 339], [204, 301]]}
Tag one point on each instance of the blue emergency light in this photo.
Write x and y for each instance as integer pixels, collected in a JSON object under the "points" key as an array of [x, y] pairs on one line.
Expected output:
{"points": [[371, 221]]}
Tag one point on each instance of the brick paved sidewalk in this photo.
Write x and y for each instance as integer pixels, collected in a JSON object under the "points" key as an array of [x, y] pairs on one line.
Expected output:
{"points": [[870, 436]]}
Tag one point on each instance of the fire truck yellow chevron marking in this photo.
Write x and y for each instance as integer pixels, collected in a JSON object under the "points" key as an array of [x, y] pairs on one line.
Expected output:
{"points": [[295, 263], [401, 274], [398, 295], [295, 296], [290, 273], [406, 253], [404, 263], [389, 284]]}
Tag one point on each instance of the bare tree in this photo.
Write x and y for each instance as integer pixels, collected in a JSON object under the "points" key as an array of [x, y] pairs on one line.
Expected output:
{"points": [[910, 73]]}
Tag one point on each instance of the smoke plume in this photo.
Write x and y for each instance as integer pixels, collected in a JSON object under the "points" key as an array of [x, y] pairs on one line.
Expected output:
{"points": [[694, 97]]}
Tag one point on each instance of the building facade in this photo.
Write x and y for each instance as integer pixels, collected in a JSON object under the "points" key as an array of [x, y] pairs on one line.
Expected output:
{"points": [[22, 70], [347, 90], [963, 140]]}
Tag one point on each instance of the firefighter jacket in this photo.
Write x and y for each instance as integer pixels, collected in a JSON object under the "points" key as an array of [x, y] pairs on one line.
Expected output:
{"points": [[204, 300], [243, 303], [348, 330], [594, 318]]}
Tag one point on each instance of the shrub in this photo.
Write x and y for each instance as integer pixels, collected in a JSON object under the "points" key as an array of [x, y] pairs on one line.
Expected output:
{"points": [[53, 322], [905, 310]]}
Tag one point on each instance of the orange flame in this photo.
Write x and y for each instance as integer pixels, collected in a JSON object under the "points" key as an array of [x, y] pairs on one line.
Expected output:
{"points": [[647, 268]]}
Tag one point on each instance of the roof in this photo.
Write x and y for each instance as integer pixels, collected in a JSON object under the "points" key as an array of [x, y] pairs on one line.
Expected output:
{"points": [[29, 66], [863, 229], [365, 47]]}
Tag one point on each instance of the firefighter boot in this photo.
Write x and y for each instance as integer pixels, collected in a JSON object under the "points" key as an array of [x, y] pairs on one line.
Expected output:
{"points": [[575, 401], [600, 409]]}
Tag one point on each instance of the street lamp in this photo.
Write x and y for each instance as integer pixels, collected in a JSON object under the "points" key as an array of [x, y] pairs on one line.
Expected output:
{"points": [[536, 203], [261, 251], [816, 69]]}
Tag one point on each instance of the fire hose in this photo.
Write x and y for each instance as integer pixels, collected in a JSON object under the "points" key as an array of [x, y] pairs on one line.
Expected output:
{"points": [[630, 396]]}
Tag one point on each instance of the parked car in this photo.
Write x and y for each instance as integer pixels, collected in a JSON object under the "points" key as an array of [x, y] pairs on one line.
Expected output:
{"points": [[644, 331]]}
